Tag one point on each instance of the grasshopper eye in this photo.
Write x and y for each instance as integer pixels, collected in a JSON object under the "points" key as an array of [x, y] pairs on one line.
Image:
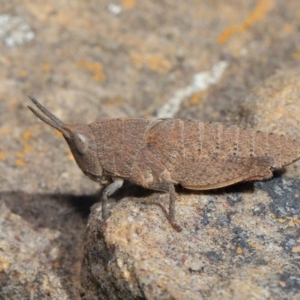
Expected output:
{"points": [[81, 143]]}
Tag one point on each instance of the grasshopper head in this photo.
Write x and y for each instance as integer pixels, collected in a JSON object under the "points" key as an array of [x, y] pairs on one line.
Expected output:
{"points": [[80, 139]]}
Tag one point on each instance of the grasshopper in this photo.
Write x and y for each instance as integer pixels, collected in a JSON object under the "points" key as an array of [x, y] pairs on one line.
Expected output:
{"points": [[159, 154]]}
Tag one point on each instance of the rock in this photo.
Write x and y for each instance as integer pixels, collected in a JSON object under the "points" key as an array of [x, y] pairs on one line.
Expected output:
{"points": [[37, 233], [193, 60], [25, 255], [235, 244]]}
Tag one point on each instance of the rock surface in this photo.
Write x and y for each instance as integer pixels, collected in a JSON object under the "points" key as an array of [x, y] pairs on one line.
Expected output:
{"points": [[238, 243], [231, 62], [40, 246]]}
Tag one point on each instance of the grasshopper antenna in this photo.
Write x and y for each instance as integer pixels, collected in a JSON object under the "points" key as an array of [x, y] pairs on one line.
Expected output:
{"points": [[53, 121]]}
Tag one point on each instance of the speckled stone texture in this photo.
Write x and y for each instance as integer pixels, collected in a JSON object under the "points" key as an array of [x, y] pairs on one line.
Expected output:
{"points": [[234, 62], [238, 243]]}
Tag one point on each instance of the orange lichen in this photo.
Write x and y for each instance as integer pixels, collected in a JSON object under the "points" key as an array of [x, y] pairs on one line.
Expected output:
{"points": [[4, 264], [46, 68], [95, 68], [296, 249], [128, 3], [22, 73], [156, 62], [296, 55], [4, 130], [24, 151], [239, 250], [259, 12], [20, 162], [26, 135], [255, 245], [195, 98], [56, 264], [58, 133], [13, 100], [26, 148], [2, 155]]}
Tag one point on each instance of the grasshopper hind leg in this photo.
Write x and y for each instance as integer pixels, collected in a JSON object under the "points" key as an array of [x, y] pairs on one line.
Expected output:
{"points": [[170, 215]]}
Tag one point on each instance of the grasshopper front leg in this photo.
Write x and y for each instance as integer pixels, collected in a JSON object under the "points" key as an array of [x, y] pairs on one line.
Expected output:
{"points": [[108, 191]]}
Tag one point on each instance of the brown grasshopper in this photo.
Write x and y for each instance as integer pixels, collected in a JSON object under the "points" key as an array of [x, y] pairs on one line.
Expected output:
{"points": [[158, 154]]}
